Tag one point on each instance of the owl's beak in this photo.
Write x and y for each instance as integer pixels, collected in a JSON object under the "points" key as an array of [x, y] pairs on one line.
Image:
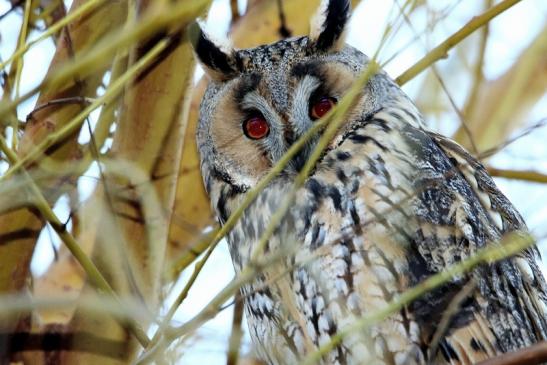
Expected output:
{"points": [[301, 158], [298, 161]]}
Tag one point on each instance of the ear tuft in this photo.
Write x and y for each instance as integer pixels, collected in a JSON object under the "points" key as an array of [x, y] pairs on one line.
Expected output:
{"points": [[329, 24], [218, 62]]}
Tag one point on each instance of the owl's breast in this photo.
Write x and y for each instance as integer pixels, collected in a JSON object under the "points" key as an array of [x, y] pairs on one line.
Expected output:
{"points": [[383, 211]]}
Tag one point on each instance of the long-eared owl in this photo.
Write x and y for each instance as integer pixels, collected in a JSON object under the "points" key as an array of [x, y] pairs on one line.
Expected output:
{"points": [[388, 204]]}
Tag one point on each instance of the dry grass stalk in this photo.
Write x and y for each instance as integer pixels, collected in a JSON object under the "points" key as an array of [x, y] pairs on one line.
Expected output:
{"points": [[504, 102]]}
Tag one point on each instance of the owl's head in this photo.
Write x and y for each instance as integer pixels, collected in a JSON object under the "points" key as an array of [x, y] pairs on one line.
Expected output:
{"points": [[261, 100]]}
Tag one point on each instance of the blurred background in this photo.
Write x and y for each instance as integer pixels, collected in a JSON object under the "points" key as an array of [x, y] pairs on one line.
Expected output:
{"points": [[494, 81]]}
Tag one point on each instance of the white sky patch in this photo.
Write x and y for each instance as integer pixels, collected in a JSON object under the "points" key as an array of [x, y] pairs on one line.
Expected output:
{"points": [[210, 342]]}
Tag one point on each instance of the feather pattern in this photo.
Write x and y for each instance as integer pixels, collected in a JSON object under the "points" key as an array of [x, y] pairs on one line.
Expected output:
{"points": [[392, 205], [389, 204]]}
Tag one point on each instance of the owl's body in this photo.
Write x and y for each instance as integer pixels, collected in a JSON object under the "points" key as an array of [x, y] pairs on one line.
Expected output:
{"points": [[388, 204]]}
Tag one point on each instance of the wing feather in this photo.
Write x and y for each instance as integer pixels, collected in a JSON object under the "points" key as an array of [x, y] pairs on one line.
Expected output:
{"points": [[517, 284]]}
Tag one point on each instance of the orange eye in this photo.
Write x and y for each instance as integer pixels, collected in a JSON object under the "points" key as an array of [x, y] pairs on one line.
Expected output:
{"points": [[256, 127], [321, 107]]}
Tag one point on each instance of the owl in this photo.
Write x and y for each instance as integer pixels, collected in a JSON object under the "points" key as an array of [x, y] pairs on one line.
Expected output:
{"points": [[388, 204]]}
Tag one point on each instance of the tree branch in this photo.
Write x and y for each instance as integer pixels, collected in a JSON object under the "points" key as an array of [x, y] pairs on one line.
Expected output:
{"points": [[54, 341], [237, 333], [532, 176], [235, 11], [533, 355], [441, 50]]}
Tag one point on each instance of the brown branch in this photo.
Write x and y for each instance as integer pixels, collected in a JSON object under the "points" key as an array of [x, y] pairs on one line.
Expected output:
{"points": [[478, 71], [235, 11], [14, 6], [457, 110], [505, 101], [441, 50], [535, 354], [284, 31], [492, 151], [461, 116], [235, 337], [532, 176], [59, 341], [61, 101]]}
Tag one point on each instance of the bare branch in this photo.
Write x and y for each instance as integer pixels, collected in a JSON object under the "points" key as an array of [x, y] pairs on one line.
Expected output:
{"points": [[478, 70], [284, 31], [524, 133], [533, 355], [235, 11], [531, 176], [235, 337], [441, 50], [70, 100], [55, 340]]}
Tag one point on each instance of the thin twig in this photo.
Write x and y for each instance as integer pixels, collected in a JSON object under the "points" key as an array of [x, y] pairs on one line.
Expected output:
{"points": [[284, 31], [170, 16], [61, 101], [441, 50], [191, 254], [398, 22], [492, 151], [237, 333], [52, 13], [532, 355], [74, 125], [390, 28], [86, 7], [245, 276], [428, 29], [155, 343], [235, 11], [460, 115], [8, 12], [478, 70], [19, 63], [530, 175]]}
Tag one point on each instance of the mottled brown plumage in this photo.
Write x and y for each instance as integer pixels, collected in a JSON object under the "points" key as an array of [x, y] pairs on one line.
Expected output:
{"points": [[389, 204]]}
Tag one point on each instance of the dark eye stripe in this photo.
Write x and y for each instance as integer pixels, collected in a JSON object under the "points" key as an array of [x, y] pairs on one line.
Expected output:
{"points": [[312, 68], [246, 85]]}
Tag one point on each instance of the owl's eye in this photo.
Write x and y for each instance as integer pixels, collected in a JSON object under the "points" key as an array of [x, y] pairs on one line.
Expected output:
{"points": [[256, 127], [321, 107]]}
